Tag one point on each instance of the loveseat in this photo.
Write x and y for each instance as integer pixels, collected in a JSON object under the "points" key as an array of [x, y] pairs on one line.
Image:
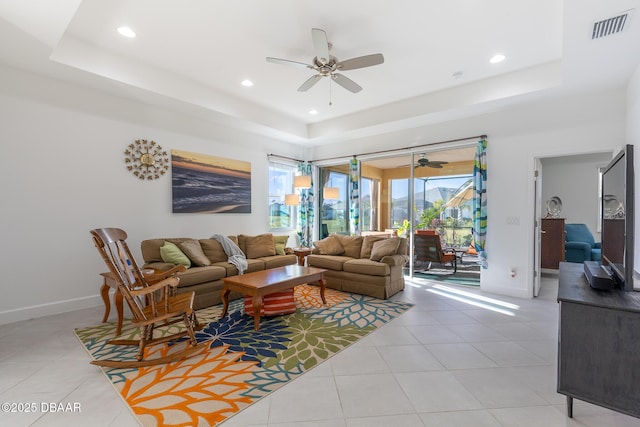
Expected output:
{"points": [[368, 265], [207, 263]]}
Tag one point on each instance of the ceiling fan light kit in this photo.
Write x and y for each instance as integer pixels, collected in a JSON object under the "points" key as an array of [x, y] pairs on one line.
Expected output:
{"points": [[327, 65]]}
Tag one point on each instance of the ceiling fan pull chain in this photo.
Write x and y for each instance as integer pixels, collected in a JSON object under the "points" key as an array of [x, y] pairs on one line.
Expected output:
{"points": [[330, 93]]}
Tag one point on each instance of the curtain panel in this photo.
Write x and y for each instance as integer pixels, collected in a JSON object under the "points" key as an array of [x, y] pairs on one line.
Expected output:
{"points": [[354, 197], [305, 221], [480, 201]]}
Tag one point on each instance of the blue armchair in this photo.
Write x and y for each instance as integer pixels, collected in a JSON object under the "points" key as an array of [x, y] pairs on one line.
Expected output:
{"points": [[579, 244]]}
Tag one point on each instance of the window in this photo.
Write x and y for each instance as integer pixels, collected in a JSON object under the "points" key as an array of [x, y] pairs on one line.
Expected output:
{"points": [[399, 201], [335, 212], [369, 190], [443, 203], [281, 216]]}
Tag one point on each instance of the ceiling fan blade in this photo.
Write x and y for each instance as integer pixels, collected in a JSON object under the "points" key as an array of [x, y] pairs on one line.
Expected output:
{"points": [[431, 165], [287, 62], [438, 163], [361, 62], [346, 83], [309, 83], [320, 45]]}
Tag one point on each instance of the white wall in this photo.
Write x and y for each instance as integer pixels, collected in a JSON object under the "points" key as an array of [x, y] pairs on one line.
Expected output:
{"points": [[575, 180], [62, 173]]}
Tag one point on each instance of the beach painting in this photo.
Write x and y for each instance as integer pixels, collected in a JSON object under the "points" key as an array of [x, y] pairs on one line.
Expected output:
{"points": [[209, 184]]}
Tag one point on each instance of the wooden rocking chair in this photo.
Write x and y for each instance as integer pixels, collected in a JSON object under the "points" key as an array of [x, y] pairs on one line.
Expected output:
{"points": [[152, 301]]}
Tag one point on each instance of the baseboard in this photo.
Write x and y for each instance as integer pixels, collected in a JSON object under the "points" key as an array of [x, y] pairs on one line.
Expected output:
{"points": [[49, 309], [507, 291]]}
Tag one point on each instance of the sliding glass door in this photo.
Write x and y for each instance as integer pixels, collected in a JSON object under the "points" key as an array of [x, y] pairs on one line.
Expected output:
{"points": [[334, 202]]}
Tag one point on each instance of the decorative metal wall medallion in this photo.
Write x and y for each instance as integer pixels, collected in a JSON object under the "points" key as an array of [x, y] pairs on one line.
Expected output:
{"points": [[146, 159]]}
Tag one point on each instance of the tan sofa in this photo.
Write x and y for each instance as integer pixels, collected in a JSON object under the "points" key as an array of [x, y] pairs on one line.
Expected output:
{"points": [[209, 265], [368, 265]]}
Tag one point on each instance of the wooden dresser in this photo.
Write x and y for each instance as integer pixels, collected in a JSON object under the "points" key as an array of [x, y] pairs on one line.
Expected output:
{"points": [[552, 243]]}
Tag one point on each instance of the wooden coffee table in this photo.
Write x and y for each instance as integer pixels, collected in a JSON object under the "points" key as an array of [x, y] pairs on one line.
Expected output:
{"points": [[265, 282]]}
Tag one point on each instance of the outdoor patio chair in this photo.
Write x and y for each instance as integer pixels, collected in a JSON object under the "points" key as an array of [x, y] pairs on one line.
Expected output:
{"points": [[428, 248]]}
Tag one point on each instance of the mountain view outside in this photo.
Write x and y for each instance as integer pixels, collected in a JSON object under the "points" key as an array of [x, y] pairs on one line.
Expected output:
{"points": [[443, 203]]}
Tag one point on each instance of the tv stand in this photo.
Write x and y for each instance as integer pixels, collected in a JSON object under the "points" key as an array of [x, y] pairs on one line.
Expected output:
{"points": [[597, 276], [598, 343]]}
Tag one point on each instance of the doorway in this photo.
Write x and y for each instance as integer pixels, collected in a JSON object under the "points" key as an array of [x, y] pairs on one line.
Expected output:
{"points": [[574, 182]]}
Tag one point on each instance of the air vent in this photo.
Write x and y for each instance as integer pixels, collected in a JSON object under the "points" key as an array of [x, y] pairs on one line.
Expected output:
{"points": [[609, 26]]}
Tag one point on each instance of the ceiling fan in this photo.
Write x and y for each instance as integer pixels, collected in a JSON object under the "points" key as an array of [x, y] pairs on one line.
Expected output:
{"points": [[327, 65], [424, 162]]}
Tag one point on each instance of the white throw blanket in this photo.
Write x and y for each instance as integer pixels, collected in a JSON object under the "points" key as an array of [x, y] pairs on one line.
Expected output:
{"points": [[235, 254]]}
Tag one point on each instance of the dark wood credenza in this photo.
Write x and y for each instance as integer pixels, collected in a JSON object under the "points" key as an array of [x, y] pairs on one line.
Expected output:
{"points": [[598, 343], [552, 242]]}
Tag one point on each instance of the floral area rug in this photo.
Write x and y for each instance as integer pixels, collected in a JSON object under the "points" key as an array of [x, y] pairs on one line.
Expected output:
{"points": [[241, 365]]}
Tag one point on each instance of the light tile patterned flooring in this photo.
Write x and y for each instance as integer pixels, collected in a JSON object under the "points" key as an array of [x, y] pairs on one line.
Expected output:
{"points": [[452, 360]]}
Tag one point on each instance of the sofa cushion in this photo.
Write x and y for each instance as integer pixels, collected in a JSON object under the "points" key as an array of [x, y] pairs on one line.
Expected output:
{"points": [[367, 245], [278, 261], [252, 265], [258, 246], [331, 262], [213, 250], [352, 245], [329, 246], [171, 253], [193, 250], [366, 266], [197, 275], [150, 249], [281, 244], [403, 246], [384, 247]]}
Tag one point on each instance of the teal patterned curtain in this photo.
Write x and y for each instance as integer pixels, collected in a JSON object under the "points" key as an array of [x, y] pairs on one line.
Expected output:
{"points": [[480, 201], [354, 192], [305, 220]]}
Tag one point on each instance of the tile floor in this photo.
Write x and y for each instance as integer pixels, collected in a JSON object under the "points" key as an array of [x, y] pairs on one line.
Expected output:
{"points": [[453, 360]]}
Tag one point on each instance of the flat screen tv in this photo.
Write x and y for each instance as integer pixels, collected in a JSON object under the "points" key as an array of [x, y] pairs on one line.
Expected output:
{"points": [[617, 228]]}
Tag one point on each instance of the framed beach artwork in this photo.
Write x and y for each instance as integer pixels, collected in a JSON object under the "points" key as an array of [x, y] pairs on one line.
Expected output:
{"points": [[209, 184]]}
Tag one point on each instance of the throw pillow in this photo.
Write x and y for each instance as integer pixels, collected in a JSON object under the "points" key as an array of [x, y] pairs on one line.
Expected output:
{"points": [[213, 250], [367, 245], [260, 246], [193, 250], [385, 247], [281, 243], [352, 245], [329, 246], [172, 254]]}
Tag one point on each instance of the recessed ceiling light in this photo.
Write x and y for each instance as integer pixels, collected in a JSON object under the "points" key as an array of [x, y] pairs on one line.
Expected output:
{"points": [[313, 112], [246, 83], [127, 32], [497, 58]]}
